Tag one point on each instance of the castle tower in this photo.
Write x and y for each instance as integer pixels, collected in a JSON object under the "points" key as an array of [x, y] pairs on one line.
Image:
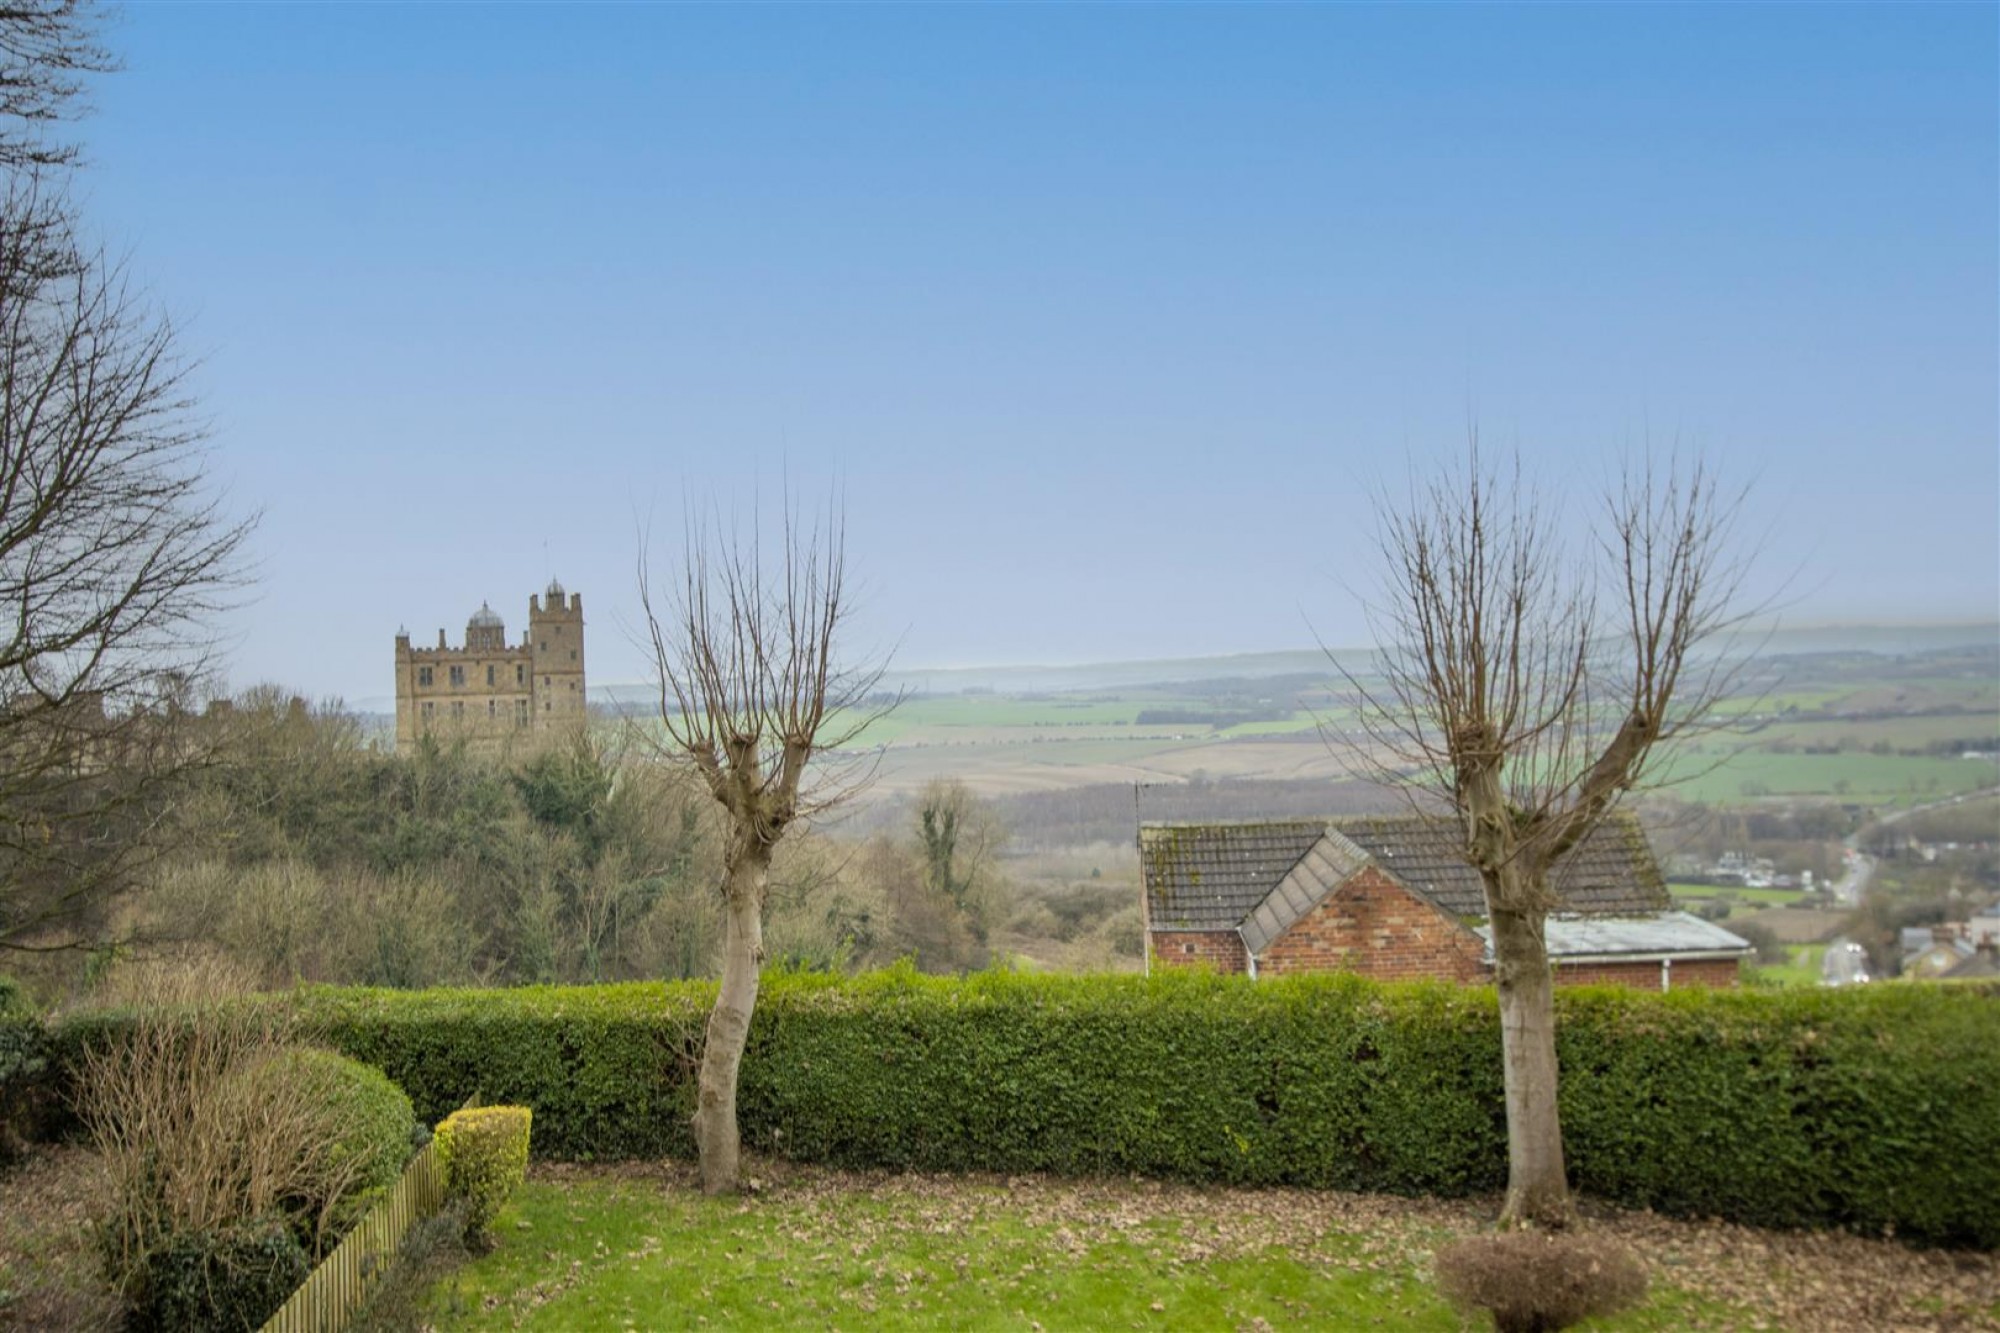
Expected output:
{"points": [[555, 656]]}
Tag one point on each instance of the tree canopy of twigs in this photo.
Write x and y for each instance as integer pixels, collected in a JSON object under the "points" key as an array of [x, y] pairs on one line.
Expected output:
{"points": [[751, 691], [46, 49], [1506, 654], [115, 557], [1526, 686]]}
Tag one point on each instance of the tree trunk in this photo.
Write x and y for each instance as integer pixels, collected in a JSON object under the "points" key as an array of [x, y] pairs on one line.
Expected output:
{"points": [[1537, 1185], [715, 1134]]}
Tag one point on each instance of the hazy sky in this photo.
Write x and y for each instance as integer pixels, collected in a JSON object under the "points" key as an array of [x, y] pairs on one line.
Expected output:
{"points": [[1106, 319]]}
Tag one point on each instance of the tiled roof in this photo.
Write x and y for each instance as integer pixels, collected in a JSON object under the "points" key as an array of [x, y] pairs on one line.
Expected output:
{"points": [[1209, 876], [1611, 874], [1217, 876]]}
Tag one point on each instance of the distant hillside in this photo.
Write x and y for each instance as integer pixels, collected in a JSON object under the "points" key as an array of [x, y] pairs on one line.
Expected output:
{"points": [[1882, 640]]}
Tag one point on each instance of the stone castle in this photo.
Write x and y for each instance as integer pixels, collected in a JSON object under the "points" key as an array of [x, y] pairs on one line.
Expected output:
{"points": [[489, 691]]}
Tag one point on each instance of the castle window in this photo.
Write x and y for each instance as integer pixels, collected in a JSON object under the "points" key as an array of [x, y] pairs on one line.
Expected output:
{"points": [[457, 706], [547, 683], [572, 686], [424, 677], [520, 712], [520, 674], [492, 708], [429, 708], [458, 675], [489, 676], [546, 706], [545, 645], [572, 654]]}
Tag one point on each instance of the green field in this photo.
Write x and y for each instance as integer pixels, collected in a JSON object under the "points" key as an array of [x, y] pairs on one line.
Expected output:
{"points": [[1895, 732], [1724, 775], [1691, 893]]}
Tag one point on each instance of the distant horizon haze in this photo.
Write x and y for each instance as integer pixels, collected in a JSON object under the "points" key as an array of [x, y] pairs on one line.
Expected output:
{"points": [[1110, 675]]}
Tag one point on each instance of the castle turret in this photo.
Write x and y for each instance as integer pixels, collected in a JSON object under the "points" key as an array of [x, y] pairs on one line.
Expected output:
{"points": [[485, 631], [555, 655]]}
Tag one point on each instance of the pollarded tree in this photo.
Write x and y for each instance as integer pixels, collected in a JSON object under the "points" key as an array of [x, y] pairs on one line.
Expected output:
{"points": [[754, 696], [1527, 690]]}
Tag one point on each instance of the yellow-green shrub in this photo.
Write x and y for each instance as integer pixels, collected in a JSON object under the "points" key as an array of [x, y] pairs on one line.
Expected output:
{"points": [[484, 1153]]}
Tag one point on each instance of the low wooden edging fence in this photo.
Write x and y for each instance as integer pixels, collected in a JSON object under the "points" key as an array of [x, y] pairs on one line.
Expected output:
{"points": [[336, 1289]]}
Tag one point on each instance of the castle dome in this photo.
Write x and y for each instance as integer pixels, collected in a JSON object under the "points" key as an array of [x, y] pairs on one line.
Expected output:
{"points": [[555, 591], [485, 618]]}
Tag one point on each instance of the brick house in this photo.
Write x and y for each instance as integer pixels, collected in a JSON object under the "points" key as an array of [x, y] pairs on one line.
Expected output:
{"points": [[1391, 897]]}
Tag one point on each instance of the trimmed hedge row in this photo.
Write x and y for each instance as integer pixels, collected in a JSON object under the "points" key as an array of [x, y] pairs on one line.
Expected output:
{"points": [[1876, 1108]]}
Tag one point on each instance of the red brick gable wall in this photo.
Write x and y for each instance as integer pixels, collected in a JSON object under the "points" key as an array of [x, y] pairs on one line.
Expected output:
{"points": [[1374, 926], [1708, 972], [1219, 949]]}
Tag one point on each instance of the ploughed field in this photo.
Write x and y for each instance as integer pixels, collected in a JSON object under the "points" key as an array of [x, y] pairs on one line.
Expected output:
{"points": [[639, 1247]]}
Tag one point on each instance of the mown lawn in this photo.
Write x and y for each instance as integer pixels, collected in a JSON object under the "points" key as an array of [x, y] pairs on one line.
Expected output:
{"points": [[584, 1248]]}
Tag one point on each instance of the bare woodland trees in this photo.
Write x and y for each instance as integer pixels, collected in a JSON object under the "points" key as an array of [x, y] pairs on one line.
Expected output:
{"points": [[752, 696], [1527, 691], [114, 553]]}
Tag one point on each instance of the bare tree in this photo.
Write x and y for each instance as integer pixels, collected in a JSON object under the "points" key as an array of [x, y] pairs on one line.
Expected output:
{"points": [[114, 557], [46, 47], [753, 696], [1527, 690]]}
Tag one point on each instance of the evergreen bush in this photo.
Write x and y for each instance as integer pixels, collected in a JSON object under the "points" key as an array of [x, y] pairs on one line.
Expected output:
{"points": [[230, 1281], [1875, 1108]]}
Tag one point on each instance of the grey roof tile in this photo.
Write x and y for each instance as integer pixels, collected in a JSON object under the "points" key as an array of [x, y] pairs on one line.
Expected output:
{"points": [[1210, 876]]}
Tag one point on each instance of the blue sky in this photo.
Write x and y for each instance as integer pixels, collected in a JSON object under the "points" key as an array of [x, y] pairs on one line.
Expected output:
{"points": [[1107, 320]]}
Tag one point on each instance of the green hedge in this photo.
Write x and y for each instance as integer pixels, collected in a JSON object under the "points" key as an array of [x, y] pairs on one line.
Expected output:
{"points": [[1876, 1108]]}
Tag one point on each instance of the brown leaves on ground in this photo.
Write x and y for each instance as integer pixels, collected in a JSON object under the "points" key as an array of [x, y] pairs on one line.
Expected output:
{"points": [[1802, 1281], [50, 1273]]}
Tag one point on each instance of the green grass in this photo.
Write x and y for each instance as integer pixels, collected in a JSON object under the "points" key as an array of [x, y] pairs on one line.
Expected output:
{"points": [[1714, 775], [1802, 970], [1703, 892], [614, 1253]]}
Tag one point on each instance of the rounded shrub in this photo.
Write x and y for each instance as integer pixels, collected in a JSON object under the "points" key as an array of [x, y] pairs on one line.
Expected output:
{"points": [[377, 1124], [484, 1153], [363, 1126]]}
